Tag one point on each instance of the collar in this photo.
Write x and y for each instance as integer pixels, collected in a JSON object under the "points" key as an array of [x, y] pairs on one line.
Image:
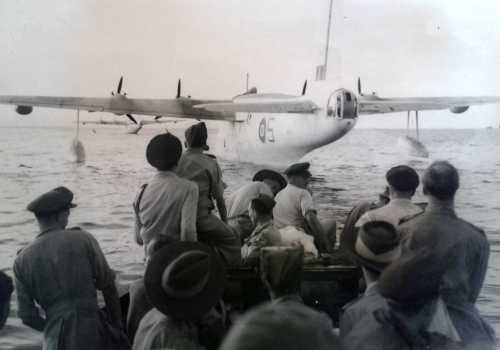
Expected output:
{"points": [[400, 202], [167, 173], [371, 288], [261, 226], [436, 208], [48, 230], [194, 150]]}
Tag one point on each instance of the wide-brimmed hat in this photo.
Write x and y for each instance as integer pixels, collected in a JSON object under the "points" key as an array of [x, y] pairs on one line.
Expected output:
{"points": [[374, 245], [196, 136], [402, 178], [184, 280], [164, 151], [54, 201], [299, 169], [263, 174]]}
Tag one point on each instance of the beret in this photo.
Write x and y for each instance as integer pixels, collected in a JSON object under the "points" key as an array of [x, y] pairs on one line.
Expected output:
{"points": [[263, 174], [52, 202], [163, 151], [402, 178]]}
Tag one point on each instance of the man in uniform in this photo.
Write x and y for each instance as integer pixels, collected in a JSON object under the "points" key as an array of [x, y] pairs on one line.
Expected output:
{"points": [[265, 182], [203, 169], [403, 182], [440, 230], [295, 207], [60, 271]]}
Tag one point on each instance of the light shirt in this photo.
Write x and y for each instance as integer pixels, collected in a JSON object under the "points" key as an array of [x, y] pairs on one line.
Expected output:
{"points": [[167, 207], [292, 205], [393, 212], [237, 203]]}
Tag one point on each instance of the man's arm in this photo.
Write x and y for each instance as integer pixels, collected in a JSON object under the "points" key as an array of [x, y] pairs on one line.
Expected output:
{"points": [[188, 215], [138, 224], [317, 231], [27, 310], [105, 282]]}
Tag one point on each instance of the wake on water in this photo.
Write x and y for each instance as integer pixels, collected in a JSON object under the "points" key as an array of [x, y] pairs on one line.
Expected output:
{"points": [[77, 151], [413, 147]]}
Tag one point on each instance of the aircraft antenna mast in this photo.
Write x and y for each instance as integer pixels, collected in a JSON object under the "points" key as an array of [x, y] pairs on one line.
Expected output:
{"points": [[328, 37], [248, 76]]}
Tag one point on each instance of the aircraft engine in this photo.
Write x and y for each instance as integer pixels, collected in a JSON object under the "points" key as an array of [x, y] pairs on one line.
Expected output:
{"points": [[343, 104], [24, 110], [459, 109]]}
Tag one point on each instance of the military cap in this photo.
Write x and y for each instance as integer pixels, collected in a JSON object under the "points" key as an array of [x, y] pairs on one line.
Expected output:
{"points": [[196, 136], [53, 201], [263, 174], [402, 178], [163, 151], [298, 169]]}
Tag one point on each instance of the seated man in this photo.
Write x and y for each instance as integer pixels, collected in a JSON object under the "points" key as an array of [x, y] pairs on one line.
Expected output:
{"points": [[283, 326], [184, 282], [374, 246], [403, 182], [265, 234], [61, 271], [265, 182], [6, 289], [204, 170], [415, 316], [295, 207], [281, 272], [165, 208]]}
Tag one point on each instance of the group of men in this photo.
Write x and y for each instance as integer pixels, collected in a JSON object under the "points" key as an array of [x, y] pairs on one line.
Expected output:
{"points": [[423, 267]]}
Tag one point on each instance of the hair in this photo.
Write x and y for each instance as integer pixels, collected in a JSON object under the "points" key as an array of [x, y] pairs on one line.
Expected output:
{"points": [[261, 208], [441, 180]]}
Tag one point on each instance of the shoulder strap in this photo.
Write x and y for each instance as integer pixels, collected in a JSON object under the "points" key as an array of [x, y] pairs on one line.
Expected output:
{"points": [[137, 201]]}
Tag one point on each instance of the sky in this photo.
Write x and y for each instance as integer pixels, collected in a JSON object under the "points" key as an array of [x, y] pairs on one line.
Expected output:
{"points": [[403, 48]]}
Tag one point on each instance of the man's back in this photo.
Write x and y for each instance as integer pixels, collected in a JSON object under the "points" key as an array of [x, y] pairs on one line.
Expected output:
{"points": [[292, 204], [443, 231], [396, 210], [161, 205], [237, 203]]}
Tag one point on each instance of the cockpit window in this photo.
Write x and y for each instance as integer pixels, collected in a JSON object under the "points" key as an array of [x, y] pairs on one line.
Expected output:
{"points": [[348, 96]]}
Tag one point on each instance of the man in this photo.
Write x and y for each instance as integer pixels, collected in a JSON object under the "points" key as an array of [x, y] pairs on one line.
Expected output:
{"points": [[60, 271], [295, 207], [165, 211], [374, 246], [165, 207], [184, 282], [403, 182], [6, 289], [414, 316], [265, 234], [265, 182], [204, 170], [440, 230]]}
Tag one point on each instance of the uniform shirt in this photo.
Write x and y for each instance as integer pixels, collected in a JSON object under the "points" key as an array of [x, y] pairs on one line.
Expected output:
{"points": [[292, 205], [442, 231], [167, 207], [157, 331], [393, 212], [203, 169], [264, 235], [354, 311], [237, 203], [61, 270]]}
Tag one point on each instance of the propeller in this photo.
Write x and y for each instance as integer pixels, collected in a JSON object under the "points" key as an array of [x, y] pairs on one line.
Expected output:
{"points": [[178, 89], [120, 83], [359, 87], [304, 88], [131, 117], [158, 117]]}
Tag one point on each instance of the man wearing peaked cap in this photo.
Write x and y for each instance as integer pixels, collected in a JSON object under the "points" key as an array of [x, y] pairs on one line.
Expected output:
{"points": [[203, 169], [374, 246], [295, 207], [61, 270], [265, 182], [403, 182]]}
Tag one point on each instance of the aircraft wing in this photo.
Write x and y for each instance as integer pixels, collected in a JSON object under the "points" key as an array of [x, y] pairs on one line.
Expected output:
{"points": [[377, 105], [179, 107]]}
